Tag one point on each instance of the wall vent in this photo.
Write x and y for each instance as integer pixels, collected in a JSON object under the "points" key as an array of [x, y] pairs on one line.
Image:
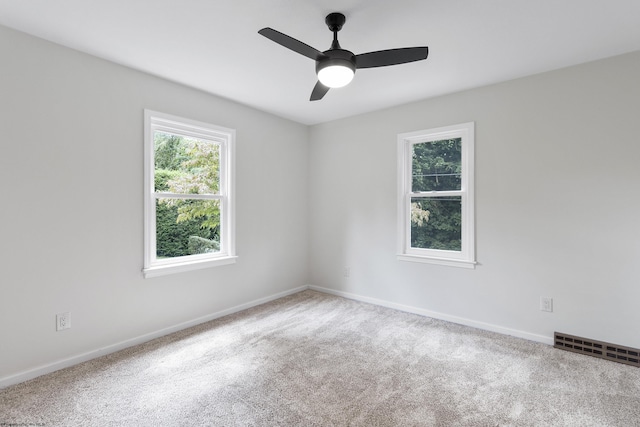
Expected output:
{"points": [[603, 350]]}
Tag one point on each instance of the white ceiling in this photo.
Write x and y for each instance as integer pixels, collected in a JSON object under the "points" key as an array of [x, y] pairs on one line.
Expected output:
{"points": [[214, 45]]}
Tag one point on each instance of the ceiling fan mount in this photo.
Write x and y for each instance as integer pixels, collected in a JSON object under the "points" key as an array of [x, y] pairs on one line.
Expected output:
{"points": [[335, 21], [336, 67]]}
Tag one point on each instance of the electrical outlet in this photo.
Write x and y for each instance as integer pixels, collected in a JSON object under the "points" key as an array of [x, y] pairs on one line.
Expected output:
{"points": [[63, 321], [546, 304], [346, 272]]}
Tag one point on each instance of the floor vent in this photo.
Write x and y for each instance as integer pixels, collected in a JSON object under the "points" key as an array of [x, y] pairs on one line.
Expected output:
{"points": [[603, 350]]}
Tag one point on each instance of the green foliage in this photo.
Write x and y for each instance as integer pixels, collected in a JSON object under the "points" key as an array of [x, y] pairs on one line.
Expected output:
{"points": [[186, 166], [436, 222], [206, 211], [419, 216], [200, 245], [172, 237], [169, 153], [162, 178], [437, 165], [200, 170], [442, 227]]}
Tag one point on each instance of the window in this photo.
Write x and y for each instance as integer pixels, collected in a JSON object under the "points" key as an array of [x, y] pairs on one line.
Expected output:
{"points": [[189, 205], [435, 196]]}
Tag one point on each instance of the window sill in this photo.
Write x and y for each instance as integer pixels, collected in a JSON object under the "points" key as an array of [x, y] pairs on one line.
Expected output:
{"points": [[162, 270], [439, 261]]}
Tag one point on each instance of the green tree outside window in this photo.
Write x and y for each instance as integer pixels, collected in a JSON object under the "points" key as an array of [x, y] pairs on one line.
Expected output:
{"points": [[186, 166]]}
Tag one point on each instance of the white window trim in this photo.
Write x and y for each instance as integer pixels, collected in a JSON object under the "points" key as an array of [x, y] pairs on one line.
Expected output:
{"points": [[466, 257], [153, 121]]}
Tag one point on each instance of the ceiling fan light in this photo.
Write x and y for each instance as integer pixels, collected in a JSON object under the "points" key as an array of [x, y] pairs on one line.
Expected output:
{"points": [[337, 70], [335, 76]]}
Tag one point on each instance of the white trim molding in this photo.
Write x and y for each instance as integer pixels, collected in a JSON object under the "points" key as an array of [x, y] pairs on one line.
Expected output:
{"points": [[436, 315], [83, 357], [102, 351]]}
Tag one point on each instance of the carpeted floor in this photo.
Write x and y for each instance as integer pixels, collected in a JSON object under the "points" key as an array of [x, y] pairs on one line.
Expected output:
{"points": [[312, 359]]}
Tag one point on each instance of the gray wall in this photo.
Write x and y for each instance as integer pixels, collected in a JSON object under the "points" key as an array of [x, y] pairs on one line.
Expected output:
{"points": [[557, 205], [71, 221]]}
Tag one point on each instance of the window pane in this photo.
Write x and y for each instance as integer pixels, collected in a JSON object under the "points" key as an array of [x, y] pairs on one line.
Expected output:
{"points": [[187, 227], [186, 165], [436, 223], [437, 165]]}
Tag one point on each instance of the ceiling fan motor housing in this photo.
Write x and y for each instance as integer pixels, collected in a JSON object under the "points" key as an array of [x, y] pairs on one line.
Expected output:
{"points": [[339, 57]]}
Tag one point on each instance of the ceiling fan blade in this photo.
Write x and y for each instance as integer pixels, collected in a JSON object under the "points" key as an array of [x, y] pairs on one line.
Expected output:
{"points": [[291, 43], [318, 92], [382, 58]]}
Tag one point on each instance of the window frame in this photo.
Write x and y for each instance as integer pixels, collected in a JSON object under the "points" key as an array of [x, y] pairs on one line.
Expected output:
{"points": [[225, 137], [464, 258]]}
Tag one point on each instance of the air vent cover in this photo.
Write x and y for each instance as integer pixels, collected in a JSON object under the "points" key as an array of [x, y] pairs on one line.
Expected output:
{"points": [[603, 350]]}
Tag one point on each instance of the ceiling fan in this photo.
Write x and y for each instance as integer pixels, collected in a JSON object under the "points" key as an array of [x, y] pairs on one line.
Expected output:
{"points": [[336, 67]]}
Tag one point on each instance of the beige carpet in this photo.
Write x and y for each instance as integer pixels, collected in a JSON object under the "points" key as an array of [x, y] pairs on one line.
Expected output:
{"points": [[317, 360]]}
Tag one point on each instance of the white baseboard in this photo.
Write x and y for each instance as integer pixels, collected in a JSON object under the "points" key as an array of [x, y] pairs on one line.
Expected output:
{"points": [[74, 360], [79, 358], [441, 316]]}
